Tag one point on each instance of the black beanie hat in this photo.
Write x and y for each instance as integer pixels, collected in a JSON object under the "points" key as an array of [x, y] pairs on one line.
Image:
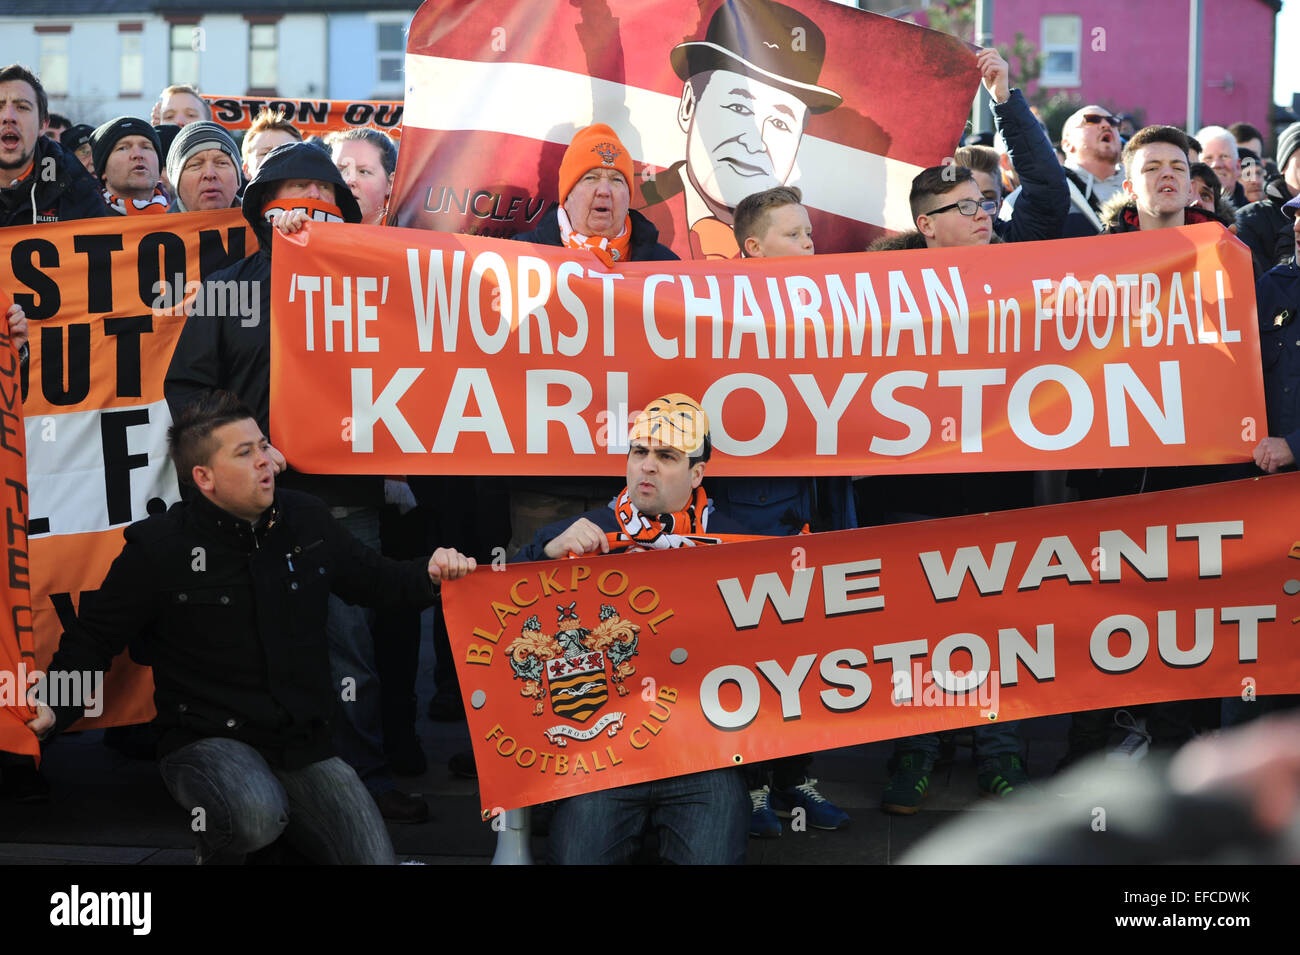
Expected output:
{"points": [[106, 137], [166, 136], [74, 137]]}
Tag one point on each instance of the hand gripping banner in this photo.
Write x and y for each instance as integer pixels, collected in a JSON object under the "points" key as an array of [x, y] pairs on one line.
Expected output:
{"points": [[714, 101], [399, 351], [597, 672]]}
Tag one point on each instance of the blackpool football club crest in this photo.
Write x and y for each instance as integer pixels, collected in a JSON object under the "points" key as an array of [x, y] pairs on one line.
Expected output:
{"points": [[572, 670], [608, 152]]}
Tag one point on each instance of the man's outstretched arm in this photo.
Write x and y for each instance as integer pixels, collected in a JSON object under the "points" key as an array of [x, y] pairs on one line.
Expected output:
{"points": [[107, 620], [1044, 197], [366, 578]]}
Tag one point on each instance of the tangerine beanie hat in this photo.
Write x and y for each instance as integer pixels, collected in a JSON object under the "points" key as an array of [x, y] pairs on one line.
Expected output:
{"points": [[594, 146]]}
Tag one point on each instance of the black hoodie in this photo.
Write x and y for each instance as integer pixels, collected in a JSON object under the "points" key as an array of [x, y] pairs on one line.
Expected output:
{"points": [[1266, 229], [294, 161], [233, 352]]}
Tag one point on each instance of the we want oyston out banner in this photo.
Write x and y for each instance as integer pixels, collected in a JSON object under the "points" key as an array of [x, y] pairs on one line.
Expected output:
{"points": [[401, 351], [595, 672]]}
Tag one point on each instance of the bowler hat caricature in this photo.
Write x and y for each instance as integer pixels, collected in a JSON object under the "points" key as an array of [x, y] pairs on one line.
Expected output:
{"points": [[770, 42]]}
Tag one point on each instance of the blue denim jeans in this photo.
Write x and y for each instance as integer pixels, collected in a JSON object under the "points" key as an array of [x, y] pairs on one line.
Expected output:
{"points": [[702, 819], [239, 803], [991, 741], [359, 729]]}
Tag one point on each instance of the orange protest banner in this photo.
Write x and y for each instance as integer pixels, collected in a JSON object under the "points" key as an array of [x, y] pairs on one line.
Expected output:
{"points": [[313, 117], [106, 300], [428, 353], [597, 672], [17, 646]]}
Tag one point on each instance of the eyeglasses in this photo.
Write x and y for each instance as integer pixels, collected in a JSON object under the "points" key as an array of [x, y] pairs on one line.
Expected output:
{"points": [[967, 207], [1092, 119]]}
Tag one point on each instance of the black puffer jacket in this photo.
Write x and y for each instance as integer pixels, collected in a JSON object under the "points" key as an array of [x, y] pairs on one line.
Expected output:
{"points": [[233, 352], [1265, 228], [1044, 201], [232, 620], [71, 193], [1277, 299]]}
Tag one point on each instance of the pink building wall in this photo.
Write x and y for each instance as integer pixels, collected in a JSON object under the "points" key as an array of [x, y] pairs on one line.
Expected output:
{"points": [[1143, 65]]}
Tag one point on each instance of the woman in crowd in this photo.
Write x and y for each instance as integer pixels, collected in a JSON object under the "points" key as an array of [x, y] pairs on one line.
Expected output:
{"points": [[366, 158]]}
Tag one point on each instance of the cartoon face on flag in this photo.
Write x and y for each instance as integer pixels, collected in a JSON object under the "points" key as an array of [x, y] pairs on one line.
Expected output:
{"points": [[749, 86], [713, 101]]}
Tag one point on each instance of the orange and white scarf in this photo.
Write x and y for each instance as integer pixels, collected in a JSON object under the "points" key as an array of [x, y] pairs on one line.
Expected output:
{"points": [[317, 210], [685, 528], [606, 249], [156, 203]]}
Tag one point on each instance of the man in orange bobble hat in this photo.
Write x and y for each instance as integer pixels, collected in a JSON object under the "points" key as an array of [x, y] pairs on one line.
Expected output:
{"points": [[595, 191]]}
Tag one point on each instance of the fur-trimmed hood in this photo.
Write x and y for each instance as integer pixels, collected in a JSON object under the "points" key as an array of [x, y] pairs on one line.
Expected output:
{"points": [[1121, 215], [909, 240], [294, 161]]}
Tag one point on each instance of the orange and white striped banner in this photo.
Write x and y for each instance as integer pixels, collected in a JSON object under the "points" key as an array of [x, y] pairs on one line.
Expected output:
{"points": [[102, 297]]}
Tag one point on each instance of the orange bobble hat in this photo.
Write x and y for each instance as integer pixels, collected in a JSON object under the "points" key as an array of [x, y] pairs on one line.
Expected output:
{"points": [[595, 146]]}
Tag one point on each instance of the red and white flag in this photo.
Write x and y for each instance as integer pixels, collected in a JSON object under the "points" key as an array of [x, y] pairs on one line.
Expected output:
{"points": [[714, 102]]}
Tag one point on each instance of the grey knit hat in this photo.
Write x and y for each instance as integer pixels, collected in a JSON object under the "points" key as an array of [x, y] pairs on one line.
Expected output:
{"points": [[195, 138], [1287, 143]]}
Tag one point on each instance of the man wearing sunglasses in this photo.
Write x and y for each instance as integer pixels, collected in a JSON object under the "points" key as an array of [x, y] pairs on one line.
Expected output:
{"points": [[1091, 142]]}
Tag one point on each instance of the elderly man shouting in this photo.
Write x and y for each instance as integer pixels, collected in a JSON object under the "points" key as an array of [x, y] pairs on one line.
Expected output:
{"points": [[595, 191]]}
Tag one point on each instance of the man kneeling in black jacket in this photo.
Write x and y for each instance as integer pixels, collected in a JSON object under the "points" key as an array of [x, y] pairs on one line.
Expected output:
{"points": [[225, 597]]}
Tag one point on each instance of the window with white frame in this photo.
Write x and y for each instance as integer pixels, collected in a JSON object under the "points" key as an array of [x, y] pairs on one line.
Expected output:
{"points": [[131, 58], [263, 58], [1062, 40], [185, 46], [390, 54], [54, 63]]}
